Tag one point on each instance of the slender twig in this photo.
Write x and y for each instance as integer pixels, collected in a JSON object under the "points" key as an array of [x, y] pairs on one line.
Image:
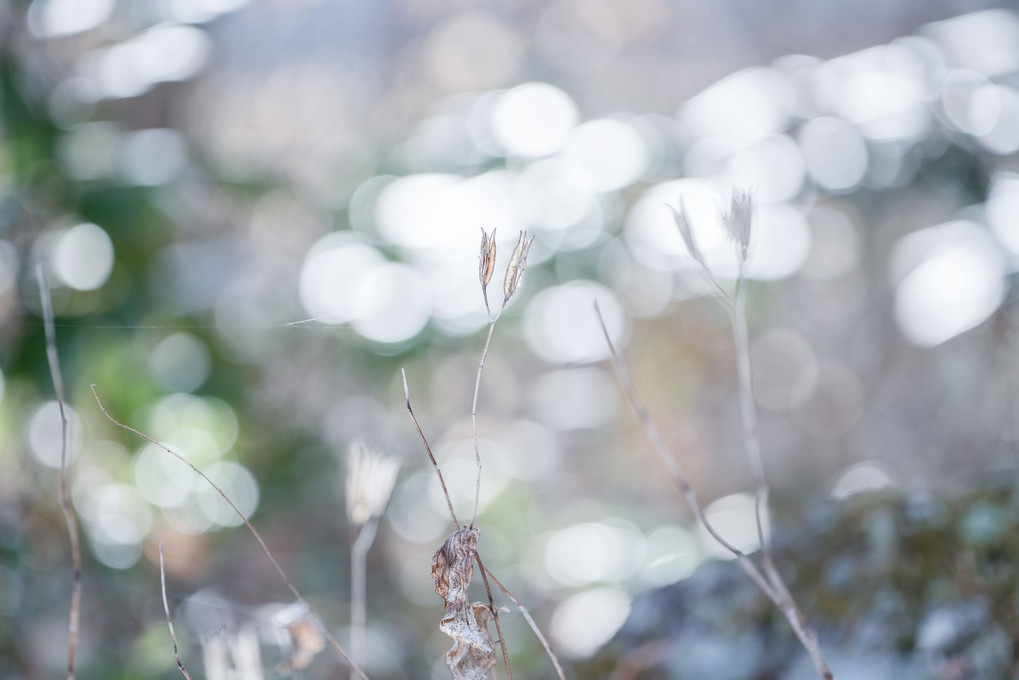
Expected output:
{"points": [[530, 621], [243, 518], [495, 614], [65, 437], [166, 609], [770, 581], [655, 438], [431, 456], [748, 414], [474, 417]]}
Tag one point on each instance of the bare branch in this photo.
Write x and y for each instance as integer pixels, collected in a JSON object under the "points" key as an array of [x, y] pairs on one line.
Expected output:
{"points": [[530, 621], [166, 609], [431, 456], [65, 437], [243, 518]]}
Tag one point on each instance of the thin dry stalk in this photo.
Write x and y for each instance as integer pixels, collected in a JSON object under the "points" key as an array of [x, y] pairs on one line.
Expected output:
{"points": [[530, 621], [474, 419], [65, 437], [166, 609], [495, 615], [770, 581], [243, 518], [431, 456]]}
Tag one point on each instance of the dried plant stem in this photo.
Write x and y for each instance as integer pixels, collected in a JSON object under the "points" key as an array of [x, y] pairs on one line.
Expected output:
{"points": [[166, 609], [65, 438], [431, 456], [358, 588], [243, 518], [474, 417], [495, 614], [748, 416], [530, 621], [767, 577]]}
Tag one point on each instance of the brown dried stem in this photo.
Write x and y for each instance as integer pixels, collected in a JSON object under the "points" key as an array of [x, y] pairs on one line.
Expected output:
{"points": [[770, 581], [243, 518], [431, 456], [527, 617], [495, 614], [65, 437], [166, 609]]}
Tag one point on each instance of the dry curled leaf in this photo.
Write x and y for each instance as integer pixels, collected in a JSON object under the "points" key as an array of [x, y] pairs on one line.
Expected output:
{"points": [[472, 655], [304, 635], [516, 266], [466, 661]]}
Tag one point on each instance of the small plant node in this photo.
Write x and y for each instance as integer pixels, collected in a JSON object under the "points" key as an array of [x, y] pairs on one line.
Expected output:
{"points": [[517, 265]]}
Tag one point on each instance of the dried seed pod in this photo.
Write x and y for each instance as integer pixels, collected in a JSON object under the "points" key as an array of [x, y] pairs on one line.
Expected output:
{"points": [[739, 220], [486, 259], [685, 230], [516, 266]]}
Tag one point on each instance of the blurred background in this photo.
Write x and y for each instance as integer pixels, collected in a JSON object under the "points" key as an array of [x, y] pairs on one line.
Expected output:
{"points": [[254, 214]]}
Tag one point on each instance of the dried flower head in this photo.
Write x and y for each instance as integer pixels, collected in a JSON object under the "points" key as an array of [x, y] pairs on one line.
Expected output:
{"points": [[738, 221], [516, 266], [370, 480], [486, 259], [685, 230], [303, 633]]}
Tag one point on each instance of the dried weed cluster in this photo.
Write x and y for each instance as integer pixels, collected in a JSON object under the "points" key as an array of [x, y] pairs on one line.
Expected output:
{"points": [[738, 221], [371, 476], [472, 656]]}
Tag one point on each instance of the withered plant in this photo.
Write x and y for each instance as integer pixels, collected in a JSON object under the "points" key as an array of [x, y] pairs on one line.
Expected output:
{"points": [[472, 656], [304, 627], [738, 221], [369, 484]]}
